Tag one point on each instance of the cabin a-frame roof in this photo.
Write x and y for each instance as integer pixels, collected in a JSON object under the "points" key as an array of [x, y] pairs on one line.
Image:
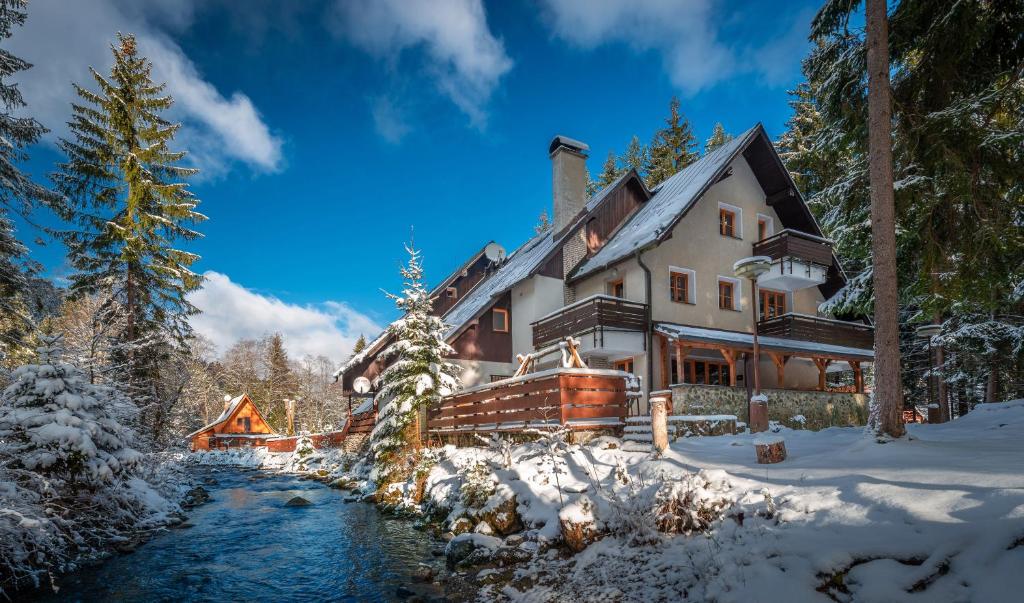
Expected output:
{"points": [[233, 406]]}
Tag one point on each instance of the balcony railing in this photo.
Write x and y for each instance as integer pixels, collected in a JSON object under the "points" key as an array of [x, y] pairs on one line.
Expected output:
{"points": [[590, 314], [820, 330], [795, 244]]}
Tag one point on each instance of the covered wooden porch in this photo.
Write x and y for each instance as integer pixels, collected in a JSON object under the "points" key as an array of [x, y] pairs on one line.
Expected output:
{"points": [[680, 350]]}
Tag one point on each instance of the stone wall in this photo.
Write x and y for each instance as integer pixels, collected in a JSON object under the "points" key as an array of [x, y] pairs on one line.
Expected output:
{"points": [[793, 408]]}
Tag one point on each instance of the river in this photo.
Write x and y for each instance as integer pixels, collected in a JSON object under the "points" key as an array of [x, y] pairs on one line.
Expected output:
{"points": [[246, 545]]}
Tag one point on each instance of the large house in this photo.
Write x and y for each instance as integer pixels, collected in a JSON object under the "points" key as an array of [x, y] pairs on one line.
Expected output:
{"points": [[644, 279]]}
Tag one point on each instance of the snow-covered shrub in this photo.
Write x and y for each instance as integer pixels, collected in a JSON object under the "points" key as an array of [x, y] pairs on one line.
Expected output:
{"points": [[55, 423], [477, 486], [692, 503], [631, 516]]}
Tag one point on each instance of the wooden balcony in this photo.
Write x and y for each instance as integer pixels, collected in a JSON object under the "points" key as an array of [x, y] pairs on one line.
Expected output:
{"points": [[593, 313], [820, 330], [796, 245], [579, 398]]}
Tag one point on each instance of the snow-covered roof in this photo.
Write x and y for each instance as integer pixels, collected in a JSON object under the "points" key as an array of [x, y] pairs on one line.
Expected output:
{"points": [[671, 198], [229, 410], [518, 267], [366, 406], [372, 348], [781, 344]]}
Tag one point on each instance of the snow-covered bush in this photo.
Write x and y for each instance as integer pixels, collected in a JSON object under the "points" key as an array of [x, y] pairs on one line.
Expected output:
{"points": [[477, 486], [55, 423], [692, 503]]}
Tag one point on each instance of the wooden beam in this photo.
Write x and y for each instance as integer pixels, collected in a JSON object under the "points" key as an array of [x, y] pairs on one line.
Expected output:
{"points": [[780, 367], [778, 196], [858, 376], [730, 358], [822, 364]]}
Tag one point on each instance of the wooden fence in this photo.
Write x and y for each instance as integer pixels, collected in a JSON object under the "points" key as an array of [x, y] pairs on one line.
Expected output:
{"points": [[356, 424], [579, 398]]}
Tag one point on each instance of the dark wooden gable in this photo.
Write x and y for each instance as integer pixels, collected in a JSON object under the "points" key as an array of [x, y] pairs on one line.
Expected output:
{"points": [[461, 281], [479, 341], [613, 211]]}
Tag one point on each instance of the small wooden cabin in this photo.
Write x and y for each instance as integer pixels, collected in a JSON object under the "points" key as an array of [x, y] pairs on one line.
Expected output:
{"points": [[241, 424]]}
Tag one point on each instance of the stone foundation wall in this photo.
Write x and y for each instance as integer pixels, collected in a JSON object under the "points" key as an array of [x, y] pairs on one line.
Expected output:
{"points": [[795, 409]]}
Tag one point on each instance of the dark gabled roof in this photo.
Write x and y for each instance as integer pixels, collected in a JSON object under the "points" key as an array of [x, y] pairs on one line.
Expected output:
{"points": [[462, 268]]}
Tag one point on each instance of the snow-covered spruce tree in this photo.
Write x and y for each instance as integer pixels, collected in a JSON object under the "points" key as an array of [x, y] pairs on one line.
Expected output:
{"points": [[18, 195], [55, 423], [718, 137], [417, 378], [132, 207], [610, 171], [673, 147]]}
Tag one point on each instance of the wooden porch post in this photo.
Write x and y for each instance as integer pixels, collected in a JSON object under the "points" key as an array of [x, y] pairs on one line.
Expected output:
{"points": [[730, 359], [780, 367], [822, 364], [681, 353], [858, 376]]}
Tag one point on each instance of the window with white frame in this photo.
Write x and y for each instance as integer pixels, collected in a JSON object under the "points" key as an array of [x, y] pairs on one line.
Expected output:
{"points": [[765, 227], [730, 221], [682, 285], [729, 293]]}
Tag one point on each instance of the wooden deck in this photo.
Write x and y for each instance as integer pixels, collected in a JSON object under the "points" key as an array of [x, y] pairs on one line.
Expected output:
{"points": [[795, 244], [579, 398], [598, 312]]}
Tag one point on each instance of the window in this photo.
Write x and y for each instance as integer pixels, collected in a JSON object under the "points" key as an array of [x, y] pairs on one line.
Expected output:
{"points": [[498, 378], [617, 288], [727, 294], [726, 223], [729, 221], [625, 364], [705, 372], [765, 227], [452, 292], [593, 236], [245, 423], [773, 303], [680, 286], [500, 320]]}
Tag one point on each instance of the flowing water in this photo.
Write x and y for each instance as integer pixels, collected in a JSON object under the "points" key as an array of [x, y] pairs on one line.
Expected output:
{"points": [[246, 545]]}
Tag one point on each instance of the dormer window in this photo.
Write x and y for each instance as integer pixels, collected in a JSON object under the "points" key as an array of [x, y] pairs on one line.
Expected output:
{"points": [[500, 320], [451, 293]]}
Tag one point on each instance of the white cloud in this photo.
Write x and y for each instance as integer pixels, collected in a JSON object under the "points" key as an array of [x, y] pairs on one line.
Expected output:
{"points": [[685, 33], [231, 312], [62, 39], [466, 60]]}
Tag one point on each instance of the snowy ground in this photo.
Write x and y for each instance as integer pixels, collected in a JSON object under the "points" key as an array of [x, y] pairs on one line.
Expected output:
{"points": [[938, 516]]}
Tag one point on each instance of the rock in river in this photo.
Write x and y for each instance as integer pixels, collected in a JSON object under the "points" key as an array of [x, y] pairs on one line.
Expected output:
{"points": [[297, 501]]}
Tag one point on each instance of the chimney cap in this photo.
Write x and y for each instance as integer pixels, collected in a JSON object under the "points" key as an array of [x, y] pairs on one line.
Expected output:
{"points": [[570, 143]]}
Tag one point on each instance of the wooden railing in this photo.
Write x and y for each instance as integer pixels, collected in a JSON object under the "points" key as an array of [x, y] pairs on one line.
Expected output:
{"points": [[820, 330], [796, 244], [574, 397], [597, 312]]}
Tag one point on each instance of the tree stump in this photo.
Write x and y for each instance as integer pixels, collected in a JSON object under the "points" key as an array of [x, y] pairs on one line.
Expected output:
{"points": [[770, 451]]}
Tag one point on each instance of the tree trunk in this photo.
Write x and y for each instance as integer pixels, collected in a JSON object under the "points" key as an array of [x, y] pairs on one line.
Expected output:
{"points": [[888, 388]]}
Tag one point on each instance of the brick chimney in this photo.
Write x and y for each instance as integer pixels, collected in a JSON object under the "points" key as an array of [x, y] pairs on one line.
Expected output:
{"points": [[568, 178]]}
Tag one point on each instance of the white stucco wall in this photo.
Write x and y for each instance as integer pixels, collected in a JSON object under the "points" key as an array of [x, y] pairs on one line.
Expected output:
{"points": [[535, 297], [475, 372]]}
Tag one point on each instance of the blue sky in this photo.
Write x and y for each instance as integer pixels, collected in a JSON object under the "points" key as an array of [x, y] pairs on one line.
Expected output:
{"points": [[326, 130]]}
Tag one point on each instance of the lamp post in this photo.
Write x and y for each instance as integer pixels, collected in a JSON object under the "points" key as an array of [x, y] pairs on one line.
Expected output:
{"points": [[752, 268]]}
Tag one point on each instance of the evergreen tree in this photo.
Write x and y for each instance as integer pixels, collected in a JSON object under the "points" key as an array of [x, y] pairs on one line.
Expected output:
{"points": [[57, 424], [673, 147], [133, 207], [610, 171], [543, 222], [957, 133], [279, 383], [636, 157], [18, 195], [418, 376], [359, 346], [718, 137]]}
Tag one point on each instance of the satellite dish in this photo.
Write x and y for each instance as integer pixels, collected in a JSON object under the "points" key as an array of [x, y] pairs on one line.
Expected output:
{"points": [[494, 252], [361, 385], [227, 397]]}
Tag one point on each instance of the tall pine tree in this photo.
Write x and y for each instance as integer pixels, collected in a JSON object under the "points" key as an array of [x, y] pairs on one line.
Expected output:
{"points": [[133, 207], [718, 137], [18, 195], [636, 157], [417, 378], [610, 171], [673, 148]]}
